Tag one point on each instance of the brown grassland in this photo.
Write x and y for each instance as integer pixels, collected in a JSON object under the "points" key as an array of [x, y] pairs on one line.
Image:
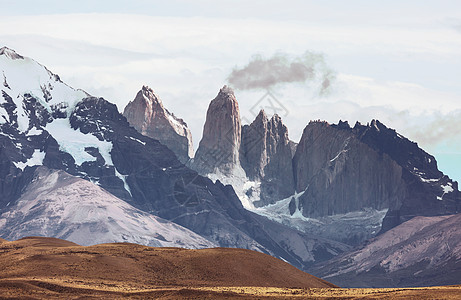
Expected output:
{"points": [[47, 268]]}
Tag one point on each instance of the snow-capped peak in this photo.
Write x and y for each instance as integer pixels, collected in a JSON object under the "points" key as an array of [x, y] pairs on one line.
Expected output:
{"points": [[10, 53], [34, 99], [25, 78]]}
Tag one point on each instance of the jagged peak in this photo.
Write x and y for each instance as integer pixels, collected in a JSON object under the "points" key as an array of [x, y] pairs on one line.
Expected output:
{"points": [[343, 124], [319, 122], [226, 90], [377, 125], [357, 125], [276, 118], [148, 96], [147, 91], [262, 116], [10, 53], [225, 98], [374, 124]]}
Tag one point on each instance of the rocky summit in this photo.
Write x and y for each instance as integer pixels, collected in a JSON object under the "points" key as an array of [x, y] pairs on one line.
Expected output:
{"points": [[266, 156], [147, 115], [256, 159]]}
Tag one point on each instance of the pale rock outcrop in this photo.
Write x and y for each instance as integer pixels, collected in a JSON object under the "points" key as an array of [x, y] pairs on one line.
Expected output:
{"points": [[147, 115]]}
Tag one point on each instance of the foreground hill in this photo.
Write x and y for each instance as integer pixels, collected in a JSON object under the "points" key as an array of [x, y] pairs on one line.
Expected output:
{"points": [[54, 264], [142, 266], [49, 268]]}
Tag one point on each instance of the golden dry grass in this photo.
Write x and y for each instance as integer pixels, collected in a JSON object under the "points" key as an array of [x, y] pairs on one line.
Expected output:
{"points": [[54, 288], [46, 268]]}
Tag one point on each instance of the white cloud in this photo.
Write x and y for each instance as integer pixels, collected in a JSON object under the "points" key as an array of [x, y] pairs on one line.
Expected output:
{"points": [[187, 59]]}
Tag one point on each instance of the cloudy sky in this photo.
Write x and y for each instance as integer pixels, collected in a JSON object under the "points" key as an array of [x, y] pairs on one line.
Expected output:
{"points": [[396, 61]]}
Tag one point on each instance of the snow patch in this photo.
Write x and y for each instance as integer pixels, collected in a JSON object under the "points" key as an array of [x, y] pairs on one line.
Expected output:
{"points": [[446, 189], [339, 227], [280, 212], [23, 118], [35, 160], [34, 131], [248, 191], [136, 140], [428, 180], [422, 176], [74, 142], [123, 178], [336, 157]]}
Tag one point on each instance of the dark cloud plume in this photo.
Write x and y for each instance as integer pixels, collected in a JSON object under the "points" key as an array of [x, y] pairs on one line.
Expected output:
{"points": [[264, 73]]}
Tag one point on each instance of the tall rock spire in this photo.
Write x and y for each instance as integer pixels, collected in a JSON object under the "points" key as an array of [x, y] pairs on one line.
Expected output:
{"points": [[220, 145], [147, 115], [267, 157]]}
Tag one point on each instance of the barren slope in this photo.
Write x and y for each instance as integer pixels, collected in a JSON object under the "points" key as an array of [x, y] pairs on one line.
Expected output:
{"points": [[146, 267], [424, 251]]}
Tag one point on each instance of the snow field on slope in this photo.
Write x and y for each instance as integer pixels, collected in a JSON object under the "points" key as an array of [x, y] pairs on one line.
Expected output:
{"points": [[74, 142], [35, 160]]}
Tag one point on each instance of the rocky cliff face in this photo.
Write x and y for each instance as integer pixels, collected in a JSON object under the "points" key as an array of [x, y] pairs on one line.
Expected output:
{"points": [[340, 174], [219, 148], [344, 169], [147, 115], [266, 157], [428, 191]]}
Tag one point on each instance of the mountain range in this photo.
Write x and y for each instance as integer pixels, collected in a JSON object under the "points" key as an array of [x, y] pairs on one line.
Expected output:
{"points": [[73, 167], [47, 123]]}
